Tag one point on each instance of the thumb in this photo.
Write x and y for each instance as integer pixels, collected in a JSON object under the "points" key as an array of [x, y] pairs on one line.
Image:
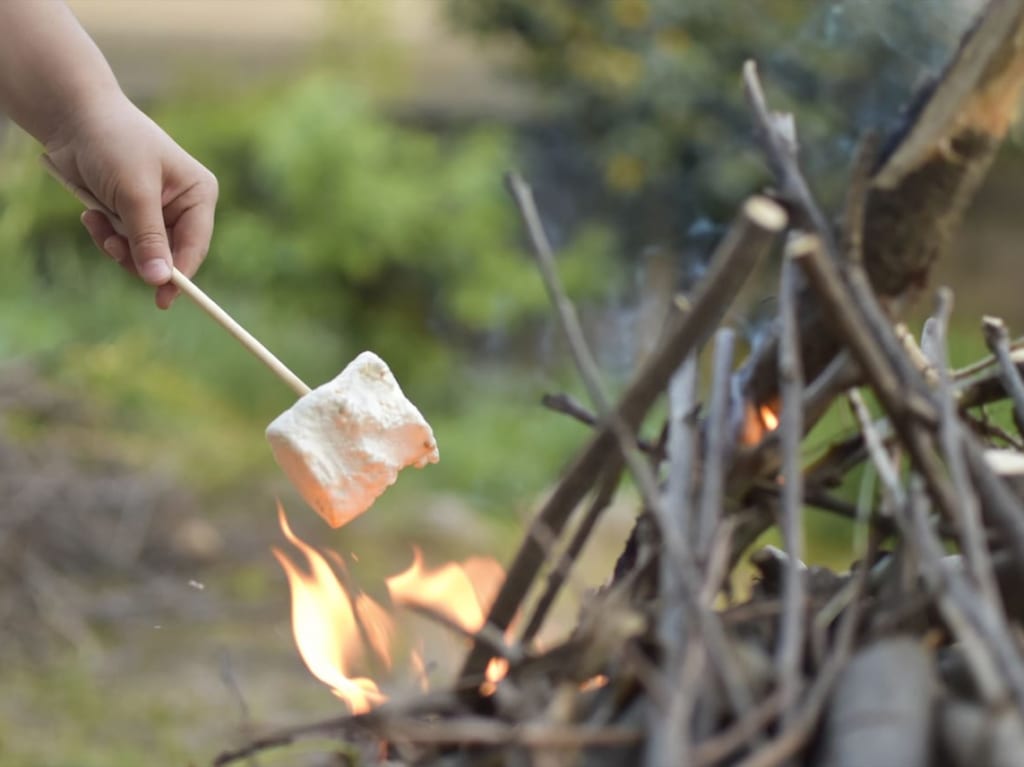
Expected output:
{"points": [[143, 218]]}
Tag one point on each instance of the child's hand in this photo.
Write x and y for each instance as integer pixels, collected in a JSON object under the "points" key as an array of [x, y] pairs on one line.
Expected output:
{"points": [[164, 197], [56, 84]]}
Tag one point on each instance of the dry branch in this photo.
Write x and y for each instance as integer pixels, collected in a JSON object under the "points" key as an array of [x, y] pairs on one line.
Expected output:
{"points": [[926, 175], [759, 222]]}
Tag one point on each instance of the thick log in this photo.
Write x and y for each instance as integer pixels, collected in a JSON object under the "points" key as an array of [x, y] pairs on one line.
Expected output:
{"points": [[922, 181], [881, 710], [932, 169]]}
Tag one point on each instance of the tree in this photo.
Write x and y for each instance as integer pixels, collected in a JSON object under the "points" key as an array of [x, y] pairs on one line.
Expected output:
{"points": [[647, 95]]}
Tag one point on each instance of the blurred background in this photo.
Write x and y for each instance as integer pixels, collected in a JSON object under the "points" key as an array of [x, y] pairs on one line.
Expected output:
{"points": [[360, 147]]}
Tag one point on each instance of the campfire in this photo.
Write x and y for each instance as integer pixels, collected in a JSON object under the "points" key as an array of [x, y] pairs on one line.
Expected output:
{"points": [[914, 656]]}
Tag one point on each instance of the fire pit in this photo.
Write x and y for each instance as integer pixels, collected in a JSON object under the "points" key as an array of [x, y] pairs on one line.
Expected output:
{"points": [[914, 656]]}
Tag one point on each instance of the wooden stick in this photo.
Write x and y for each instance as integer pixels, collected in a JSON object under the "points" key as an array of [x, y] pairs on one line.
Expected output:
{"points": [[790, 643], [997, 339], [753, 232], [777, 132], [243, 336], [953, 595], [606, 488], [186, 286], [896, 396], [862, 727], [794, 736], [969, 522], [623, 432], [567, 405], [719, 442]]}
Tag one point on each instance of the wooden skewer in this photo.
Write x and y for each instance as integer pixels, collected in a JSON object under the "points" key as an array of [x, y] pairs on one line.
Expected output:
{"points": [[190, 289]]}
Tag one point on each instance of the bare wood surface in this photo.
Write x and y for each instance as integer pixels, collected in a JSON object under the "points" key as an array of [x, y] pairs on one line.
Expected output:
{"points": [[880, 711], [789, 649]]}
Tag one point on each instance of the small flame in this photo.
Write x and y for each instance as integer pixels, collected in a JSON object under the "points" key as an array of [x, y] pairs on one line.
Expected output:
{"points": [[332, 627], [496, 670], [325, 625], [758, 422], [594, 683], [449, 590]]}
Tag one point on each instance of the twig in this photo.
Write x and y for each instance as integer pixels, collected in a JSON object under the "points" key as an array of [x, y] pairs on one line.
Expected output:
{"points": [[972, 530], [478, 731], [914, 522], [793, 737], [1000, 503], [586, 366], [227, 675], [819, 499], [789, 650], [682, 453], [669, 743], [778, 136], [764, 459], [469, 731], [904, 411], [998, 341], [887, 470], [985, 428], [669, 729], [556, 579], [350, 725], [563, 403], [486, 635], [864, 727], [718, 442], [643, 476], [982, 383], [751, 235], [739, 734]]}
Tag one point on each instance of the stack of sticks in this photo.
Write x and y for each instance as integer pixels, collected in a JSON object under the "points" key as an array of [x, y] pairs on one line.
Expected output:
{"points": [[914, 656]]}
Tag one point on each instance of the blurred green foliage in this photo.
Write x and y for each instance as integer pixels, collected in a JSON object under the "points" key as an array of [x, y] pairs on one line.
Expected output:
{"points": [[650, 90], [338, 230]]}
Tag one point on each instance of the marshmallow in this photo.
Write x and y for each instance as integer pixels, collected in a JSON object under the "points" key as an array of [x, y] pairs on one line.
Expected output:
{"points": [[343, 444]]}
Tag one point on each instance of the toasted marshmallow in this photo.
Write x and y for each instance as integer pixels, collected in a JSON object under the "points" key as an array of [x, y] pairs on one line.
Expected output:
{"points": [[343, 444]]}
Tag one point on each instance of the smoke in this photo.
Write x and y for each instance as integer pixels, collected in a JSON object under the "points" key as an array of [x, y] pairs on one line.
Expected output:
{"points": [[907, 42], [921, 32]]}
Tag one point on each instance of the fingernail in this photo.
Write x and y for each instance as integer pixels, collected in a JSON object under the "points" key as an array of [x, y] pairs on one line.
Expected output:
{"points": [[110, 247], [155, 272]]}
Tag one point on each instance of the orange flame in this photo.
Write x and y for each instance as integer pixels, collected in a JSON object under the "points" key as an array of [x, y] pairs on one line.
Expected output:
{"points": [[594, 683], [448, 590], [758, 422], [331, 626], [457, 592], [325, 626]]}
